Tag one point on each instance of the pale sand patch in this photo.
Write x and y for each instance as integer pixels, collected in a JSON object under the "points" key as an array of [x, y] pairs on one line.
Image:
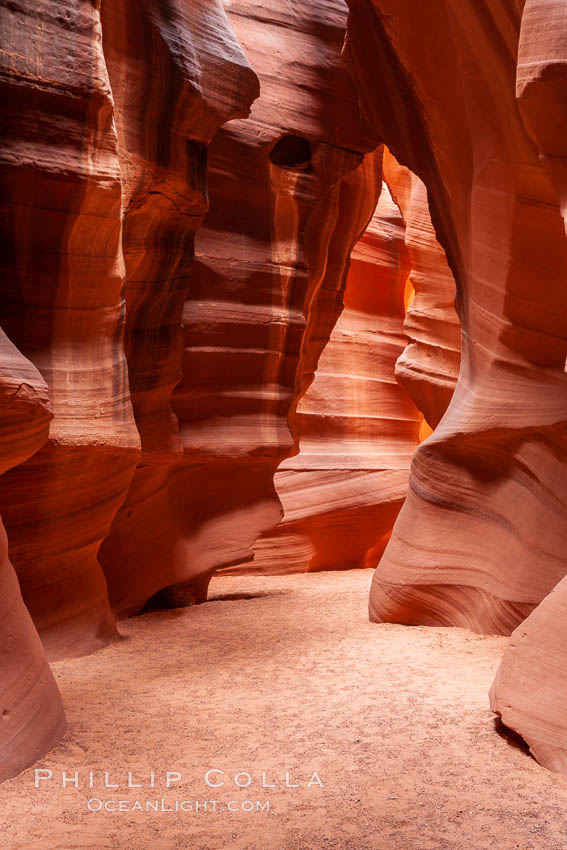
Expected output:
{"points": [[394, 719]]}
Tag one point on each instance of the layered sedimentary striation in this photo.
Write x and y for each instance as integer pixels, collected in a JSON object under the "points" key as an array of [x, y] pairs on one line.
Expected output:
{"points": [[109, 111], [177, 73], [150, 390], [428, 367], [61, 298], [109, 108], [31, 713], [530, 686], [288, 198], [468, 548], [357, 427]]}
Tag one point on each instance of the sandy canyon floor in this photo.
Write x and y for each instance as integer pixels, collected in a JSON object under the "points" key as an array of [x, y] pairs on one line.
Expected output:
{"points": [[277, 675]]}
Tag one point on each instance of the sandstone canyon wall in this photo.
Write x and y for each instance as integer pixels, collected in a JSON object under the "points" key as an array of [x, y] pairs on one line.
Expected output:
{"points": [[356, 426], [480, 541], [31, 713], [61, 302], [289, 196], [531, 684], [428, 367], [468, 547], [174, 396], [107, 110], [177, 75], [151, 391]]}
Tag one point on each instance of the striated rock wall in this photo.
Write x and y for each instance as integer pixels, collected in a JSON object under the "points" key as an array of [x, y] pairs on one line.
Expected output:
{"points": [[31, 713], [107, 110], [62, 301], [177, 73], [468, 547], [530, 686], [356, 426], [141, 489], [288, 199], [174, 382], [428, 367]]}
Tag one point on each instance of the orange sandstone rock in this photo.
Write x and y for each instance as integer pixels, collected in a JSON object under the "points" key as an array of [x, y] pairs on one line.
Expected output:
{"points": [[287, 202], [62, 299], [530, 686], [177, 73], [31, 713], [428, 367], [357, 427], [468, 547], [108, 109]]}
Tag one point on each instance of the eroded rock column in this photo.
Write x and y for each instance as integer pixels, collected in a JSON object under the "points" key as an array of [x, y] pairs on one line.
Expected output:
{"points": [[357, 427], [287, 203], [177, 73], [31, 713], [468, 548], [428, 367], [530, 686], [62, 301]]}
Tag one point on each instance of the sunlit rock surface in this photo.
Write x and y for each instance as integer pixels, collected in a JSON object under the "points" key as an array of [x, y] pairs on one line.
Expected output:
{"points": [[289, 191], [531, 684], [177, 73], [428, 367], [481, 538], [62, 306], [151, 391]]}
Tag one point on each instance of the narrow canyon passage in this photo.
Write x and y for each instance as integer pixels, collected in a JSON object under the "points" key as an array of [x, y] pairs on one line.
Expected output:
{"points": [[281, 674], [283, 299]]}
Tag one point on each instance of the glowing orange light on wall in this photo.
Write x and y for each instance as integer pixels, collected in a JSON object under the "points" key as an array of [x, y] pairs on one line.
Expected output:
{"points": [[409, 294]]}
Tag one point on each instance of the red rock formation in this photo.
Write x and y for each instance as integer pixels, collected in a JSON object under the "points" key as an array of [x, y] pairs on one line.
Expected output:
{"points": [[265, 291], [31, 713], [63, 276], [175, 398], [84, 156], [468, 547], [357, 428], [529, 691], [165, 121], [428, 367]]}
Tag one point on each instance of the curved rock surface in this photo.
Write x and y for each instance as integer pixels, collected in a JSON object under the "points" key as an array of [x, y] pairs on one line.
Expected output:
{"points": [[467, 548], [165, 121], [428, 367], [357, 427], [178, 385], [31, 713], [530, 686], [288, 201], [108, 109], [62, 299]]}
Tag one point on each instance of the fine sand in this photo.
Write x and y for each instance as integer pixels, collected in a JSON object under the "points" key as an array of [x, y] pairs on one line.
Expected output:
{"points": [[281, 675]]}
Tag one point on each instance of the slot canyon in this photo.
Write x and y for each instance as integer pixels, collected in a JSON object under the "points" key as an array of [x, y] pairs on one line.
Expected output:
{"points": [[283, 438]]}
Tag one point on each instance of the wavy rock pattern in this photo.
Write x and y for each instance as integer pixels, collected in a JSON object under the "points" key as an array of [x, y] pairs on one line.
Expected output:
{"points": [[530, 686], [428, 367], [468, 548], [109, 107], [165, 121], [357, 428], [175, 383], [31, 713], [62, 300], [288, 201]]}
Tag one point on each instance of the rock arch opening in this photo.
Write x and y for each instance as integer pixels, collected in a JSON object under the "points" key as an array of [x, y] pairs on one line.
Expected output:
{"points": [[292, 152]]}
